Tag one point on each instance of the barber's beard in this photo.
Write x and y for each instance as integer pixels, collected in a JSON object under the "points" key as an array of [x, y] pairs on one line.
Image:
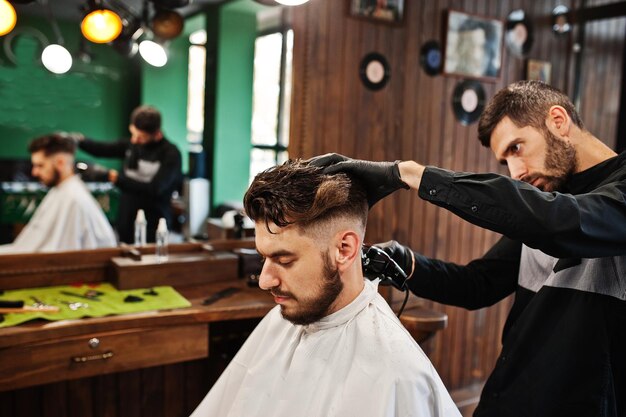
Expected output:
{"points": [[313, 309], [561, 163]]}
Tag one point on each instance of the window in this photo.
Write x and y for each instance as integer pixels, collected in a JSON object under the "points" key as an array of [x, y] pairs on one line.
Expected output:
{"points": [[271, 100]]}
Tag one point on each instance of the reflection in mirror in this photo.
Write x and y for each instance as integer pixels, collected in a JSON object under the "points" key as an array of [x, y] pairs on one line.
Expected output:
{"points": [[96, 96]]}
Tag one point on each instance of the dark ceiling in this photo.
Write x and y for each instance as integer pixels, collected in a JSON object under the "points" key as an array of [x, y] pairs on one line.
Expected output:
{"points": [[73, 10]]}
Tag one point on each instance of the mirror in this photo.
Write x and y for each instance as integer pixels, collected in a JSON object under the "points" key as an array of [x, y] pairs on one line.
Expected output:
{"points": [[97, 96]]}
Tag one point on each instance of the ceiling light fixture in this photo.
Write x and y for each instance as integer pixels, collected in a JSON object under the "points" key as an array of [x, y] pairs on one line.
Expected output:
{"points": [[153, 53], [55, 57], [8, 18], [291, 2], [101, 25]]}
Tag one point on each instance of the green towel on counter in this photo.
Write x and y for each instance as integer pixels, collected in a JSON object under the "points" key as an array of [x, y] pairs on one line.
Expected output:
{"points": [[107, 300]]}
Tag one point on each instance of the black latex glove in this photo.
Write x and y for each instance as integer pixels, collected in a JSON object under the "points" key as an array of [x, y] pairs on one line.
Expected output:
{"points": [[380, 178], [403, 255], [92, 172]]}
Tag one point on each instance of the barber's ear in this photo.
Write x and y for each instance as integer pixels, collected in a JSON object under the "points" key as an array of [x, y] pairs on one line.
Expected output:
{"points": [[348, 249]]}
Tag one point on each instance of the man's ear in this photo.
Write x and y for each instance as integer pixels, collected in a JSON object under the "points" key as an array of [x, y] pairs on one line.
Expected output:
{"points": [[348, 249], [558, 121]]}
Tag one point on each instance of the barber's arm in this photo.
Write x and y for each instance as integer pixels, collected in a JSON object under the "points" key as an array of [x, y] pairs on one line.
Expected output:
{"points": [[100, 149], [168, 175], [561, 225], [480, 283]]}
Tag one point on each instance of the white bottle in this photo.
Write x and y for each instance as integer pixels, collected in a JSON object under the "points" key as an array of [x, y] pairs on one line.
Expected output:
{"points": [[161, 241], [140, 228]]}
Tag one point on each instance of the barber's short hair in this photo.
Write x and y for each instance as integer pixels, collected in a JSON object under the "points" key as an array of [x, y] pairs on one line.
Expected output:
{"points": [[146, 118], [296, 193], [526, 103], [52, 144]]}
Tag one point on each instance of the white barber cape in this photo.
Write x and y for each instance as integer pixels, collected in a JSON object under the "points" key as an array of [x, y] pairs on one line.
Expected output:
{"points": [[68, 218], [359, 361]]}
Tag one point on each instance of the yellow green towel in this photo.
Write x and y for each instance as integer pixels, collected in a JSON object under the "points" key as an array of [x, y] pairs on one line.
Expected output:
{"points": [[110, 302]]}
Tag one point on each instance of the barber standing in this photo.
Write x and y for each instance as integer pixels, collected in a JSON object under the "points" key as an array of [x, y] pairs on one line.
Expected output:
{"points": [[563, 253], [150, 174]]}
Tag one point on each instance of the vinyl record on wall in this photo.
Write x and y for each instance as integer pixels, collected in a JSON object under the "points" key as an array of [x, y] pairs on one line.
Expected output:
{"points": [[468, 101], [374, 71], [430, 58]]}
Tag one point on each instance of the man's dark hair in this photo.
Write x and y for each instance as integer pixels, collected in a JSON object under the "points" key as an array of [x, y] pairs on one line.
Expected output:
{"points": [[52, 144], [526, 103], [300, 194], [146, 118]]}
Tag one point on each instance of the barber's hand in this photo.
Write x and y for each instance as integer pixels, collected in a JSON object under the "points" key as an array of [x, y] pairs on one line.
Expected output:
{"points": [[403, 255], [113, 175], [74, 136], [92, 172], [380, 178]]}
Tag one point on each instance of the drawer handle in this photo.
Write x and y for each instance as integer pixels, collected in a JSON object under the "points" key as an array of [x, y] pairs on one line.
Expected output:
{"points": [[102, 356]]}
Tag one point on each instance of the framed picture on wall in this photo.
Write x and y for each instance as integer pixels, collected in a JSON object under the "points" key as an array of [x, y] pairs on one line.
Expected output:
{"points": [[538, 70], [473, 46], [384, 11]]}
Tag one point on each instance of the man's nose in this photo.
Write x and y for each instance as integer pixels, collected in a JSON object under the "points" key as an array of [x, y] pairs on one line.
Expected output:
{"points": [[517, 169], [268, 278]]}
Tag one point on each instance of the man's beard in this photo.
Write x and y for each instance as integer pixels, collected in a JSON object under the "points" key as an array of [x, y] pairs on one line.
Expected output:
{"points": [[561, 162], [54, 181], [310, 311]]}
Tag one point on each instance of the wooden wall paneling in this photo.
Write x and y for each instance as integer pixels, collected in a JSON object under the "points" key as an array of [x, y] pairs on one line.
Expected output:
{"points": [[409, 134], [53, 400], [299, 82], [105, 399], [28, 402], [334, 81], [197, 382], [129, 399], [7, 404], [350, 140], [174, 404], [80, 398], [152, 392]]}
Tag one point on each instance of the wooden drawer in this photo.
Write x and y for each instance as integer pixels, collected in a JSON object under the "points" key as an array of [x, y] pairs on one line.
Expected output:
{"points": [[100, 353]]}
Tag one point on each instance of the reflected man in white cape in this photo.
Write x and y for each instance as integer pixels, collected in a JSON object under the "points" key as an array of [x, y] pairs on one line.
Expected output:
{"points": [[332, 346], [68, 218]]}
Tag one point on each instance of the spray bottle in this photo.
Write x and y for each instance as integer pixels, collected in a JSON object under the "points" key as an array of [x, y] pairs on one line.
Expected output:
{"points": [[140, 228], [161, 241]]}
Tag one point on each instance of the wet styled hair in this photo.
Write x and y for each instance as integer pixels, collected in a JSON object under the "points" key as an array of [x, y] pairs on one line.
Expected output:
{"points": [[146, 118], [526, 103], [52, 144], [296, 193]]}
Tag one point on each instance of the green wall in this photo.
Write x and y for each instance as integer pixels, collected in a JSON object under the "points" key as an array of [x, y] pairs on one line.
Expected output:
{"points": [[233, 107], [166, 88], [94, 98]]}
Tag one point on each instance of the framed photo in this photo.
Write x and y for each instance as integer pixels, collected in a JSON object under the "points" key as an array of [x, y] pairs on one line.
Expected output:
{"points": [[538, 70], [384, 11], [473, 47]]}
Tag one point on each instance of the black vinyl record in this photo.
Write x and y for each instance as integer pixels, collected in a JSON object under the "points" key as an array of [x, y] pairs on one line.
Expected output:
{"points": [[374, 71], [430, 58], [468, 101]]}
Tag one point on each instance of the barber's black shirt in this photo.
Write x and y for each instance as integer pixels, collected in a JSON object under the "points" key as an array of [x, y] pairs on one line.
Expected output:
{"points": [[151, 173], [564, 256]]}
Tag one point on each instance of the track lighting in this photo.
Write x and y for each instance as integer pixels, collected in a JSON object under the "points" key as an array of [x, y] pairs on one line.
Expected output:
{"points": [[101, 25], [56, 59], [153, 53], [291, 2], [8, 18]]}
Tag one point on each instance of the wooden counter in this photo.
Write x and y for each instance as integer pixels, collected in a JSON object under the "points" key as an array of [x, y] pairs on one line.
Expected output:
{"points": [[157, 363]]}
